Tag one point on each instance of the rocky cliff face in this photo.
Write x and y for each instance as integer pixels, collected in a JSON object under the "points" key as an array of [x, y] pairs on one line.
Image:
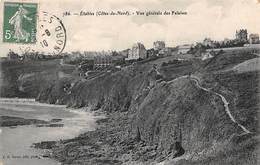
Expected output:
{"points": [[149, 119], [178, 112], [154, 119], [110, 92], [26, 79]]}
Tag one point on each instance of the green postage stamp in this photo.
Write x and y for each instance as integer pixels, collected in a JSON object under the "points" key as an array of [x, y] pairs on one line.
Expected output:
{"points": [[19, 24]]}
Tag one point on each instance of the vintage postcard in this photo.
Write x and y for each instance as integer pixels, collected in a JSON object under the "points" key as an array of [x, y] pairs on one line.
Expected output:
{"points": [[129, 82]]}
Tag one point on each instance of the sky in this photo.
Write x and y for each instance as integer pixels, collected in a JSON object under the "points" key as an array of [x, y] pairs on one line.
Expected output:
{"points": [[216, 19]]}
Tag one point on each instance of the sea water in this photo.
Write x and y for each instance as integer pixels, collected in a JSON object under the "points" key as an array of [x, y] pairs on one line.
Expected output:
{"points": [[16, 142]]}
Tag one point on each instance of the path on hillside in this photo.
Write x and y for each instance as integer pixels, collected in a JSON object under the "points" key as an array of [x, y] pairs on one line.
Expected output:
{"points": [[224, 100]]}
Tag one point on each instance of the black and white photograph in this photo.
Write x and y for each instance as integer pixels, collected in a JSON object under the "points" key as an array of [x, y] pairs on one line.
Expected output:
{"points": [[129, 82]]}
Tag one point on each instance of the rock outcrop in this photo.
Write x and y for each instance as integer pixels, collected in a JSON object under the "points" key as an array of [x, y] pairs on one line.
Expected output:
{"points": [[159, 115], [148, 119]]}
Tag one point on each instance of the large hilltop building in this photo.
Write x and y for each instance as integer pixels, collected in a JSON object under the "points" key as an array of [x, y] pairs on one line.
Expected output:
{"points": [[138, 51], [241, 35]]}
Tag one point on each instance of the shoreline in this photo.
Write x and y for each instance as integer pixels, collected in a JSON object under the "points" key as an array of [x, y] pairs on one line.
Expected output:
{"points": [[152, 118], [47, 146], [101, 146]]}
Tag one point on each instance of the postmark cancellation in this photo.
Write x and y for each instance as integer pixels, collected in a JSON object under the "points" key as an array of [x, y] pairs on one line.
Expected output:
{"points": [[25, 25]]}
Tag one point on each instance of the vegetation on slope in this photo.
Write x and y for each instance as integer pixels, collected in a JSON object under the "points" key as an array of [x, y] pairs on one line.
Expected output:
{"points": [[28, 78], [156, 115]]}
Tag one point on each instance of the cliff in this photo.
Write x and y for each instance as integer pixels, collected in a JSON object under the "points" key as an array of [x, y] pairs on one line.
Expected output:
{"points": [[156, 120], [26, 79], [172, 114]]}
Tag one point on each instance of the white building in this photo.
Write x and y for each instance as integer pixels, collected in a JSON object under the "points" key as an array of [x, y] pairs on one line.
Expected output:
{"points": [[138, 51]]}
